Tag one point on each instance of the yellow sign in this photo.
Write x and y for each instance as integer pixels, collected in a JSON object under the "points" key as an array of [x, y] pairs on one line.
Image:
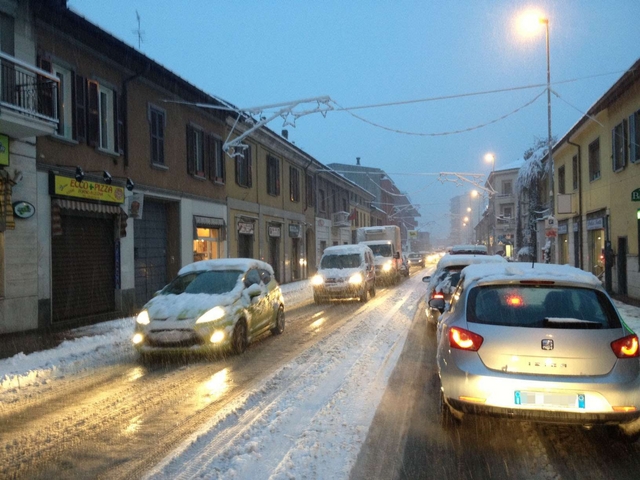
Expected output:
{"points": [[70, 187], [4, 150], [412, 233]]}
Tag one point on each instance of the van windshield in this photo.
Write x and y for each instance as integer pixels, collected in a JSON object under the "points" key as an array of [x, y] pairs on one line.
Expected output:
{"points": [[341, 261], [381, 250]]}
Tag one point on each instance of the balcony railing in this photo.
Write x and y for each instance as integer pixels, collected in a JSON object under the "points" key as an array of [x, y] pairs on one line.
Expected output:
{"points": [[28, 90], [341, 219]]}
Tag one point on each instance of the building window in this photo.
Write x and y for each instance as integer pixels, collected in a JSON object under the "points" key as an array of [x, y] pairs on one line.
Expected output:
{"points": [[619, 141], [506, 188], [574, 171], [309, 191], [216, 159], [157, 123], [594, 160], [195, 151], [207, 245], [273, 176], [106, 115], [243, 167], [507, 212], [634, 136], [561, 180], [65, 95], [323, 200], [294, 184]]}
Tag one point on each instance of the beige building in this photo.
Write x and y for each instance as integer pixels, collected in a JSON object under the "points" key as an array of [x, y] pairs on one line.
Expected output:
{"points": [[597, 179]]}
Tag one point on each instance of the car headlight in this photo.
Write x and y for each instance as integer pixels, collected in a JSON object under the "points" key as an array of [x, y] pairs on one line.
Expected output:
{"points": [[317, 280], [387, 266], [216, 313], [218, 336], [356, 279], [137, 338], [143, 318]]}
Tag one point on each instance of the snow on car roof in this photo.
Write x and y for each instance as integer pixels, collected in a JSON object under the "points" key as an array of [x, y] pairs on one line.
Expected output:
{"points": [[345, 249], [455, 260], [528, 271], [242, 264]]}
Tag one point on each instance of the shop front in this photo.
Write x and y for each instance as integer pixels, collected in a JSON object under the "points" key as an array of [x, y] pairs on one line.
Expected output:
{"points": [[563, 242], [595, 242], [87, 225]]}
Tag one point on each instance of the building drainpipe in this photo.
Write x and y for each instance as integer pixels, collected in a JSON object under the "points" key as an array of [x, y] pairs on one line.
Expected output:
{"points": [[579, 246]]}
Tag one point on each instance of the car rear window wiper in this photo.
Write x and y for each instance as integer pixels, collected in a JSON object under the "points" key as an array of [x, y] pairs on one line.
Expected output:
{"points": [[561, 322]]}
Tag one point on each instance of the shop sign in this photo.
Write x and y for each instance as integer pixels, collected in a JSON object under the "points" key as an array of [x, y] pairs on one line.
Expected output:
{"points": [[576, 226], [550, 227], [23, 209], [135, 204], [4, 150], [563, 228], [595, 224], [294, 230], [245, 228], [274, 231], [635, 195], [70, 187]]}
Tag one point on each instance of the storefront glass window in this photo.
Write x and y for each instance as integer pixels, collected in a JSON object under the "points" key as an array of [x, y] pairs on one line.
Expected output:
{"points": [[596, 244], [207, 245], [563, 249]]}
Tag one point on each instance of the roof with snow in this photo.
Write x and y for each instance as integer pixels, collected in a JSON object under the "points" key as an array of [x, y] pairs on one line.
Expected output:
{"points": [[517, 271], [459, 260]]}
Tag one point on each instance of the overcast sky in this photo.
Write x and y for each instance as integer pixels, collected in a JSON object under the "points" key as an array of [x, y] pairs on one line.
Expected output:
{"points": [[363, 53]]}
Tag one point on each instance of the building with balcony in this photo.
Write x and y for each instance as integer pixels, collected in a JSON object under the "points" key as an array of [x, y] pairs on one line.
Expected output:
{"points": [[28, 110]]}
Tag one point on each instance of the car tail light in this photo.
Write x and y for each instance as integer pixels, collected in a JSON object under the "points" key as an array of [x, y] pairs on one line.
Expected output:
{"points": [[464, 339], [437, 295], [626, 347]]}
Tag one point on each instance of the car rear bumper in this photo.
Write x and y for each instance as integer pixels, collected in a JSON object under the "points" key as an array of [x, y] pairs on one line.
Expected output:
{"points": [[545, 416], [339, 291]]}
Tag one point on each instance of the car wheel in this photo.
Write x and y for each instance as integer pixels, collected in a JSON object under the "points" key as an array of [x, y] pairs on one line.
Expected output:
{"points": [[239, 340], [625, 434], [365, 295], [279, 326]]}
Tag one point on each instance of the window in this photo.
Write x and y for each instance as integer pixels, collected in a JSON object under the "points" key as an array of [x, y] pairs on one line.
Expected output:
{"points": [[506, 188], [273, 176], [507, 212], [619, 141], [195, 151], [574, 172], [216, 159], [561, 180], [157, 123], [105, 129], [634, 137], [594, 160], [323, 200], [344, 205], [243, 166], [207, 245], [65, 111], [309, 191], [294, 184]]}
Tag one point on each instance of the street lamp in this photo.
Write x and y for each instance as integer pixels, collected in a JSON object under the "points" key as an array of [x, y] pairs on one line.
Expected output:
{"points": [[529, 23], [490, 157]]}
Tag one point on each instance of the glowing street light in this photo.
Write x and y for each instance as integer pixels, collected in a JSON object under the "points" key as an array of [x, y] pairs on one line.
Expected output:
{"points": [[490, 157]]}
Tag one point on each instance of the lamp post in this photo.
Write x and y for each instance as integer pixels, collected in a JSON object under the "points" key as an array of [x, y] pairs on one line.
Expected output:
{"points": [[529, 23]]}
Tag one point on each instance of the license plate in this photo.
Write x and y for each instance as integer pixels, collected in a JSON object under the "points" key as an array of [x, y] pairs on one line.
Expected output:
{"points": [[546, 399]]}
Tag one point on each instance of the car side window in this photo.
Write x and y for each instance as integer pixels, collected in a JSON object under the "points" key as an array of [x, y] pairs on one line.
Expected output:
{"points": [[252, 276], [455, 297]]}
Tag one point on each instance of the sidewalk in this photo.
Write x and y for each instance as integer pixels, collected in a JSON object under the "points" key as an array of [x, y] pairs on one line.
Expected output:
{"points": [[33, 341]]}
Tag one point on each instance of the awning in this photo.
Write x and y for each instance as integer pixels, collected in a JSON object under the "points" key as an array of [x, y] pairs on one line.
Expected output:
{"points": [[61, 203]]}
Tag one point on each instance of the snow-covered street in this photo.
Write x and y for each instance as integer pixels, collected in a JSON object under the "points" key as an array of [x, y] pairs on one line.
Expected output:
{"points": [[306, 419]]}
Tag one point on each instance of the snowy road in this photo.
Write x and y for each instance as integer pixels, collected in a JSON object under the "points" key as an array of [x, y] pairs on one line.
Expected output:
{"points": [[312, 403]]}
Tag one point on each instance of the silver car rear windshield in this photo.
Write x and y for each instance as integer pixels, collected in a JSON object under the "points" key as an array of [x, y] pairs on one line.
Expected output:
{"points": [[541, 307], [340, 261], [210, 282]]}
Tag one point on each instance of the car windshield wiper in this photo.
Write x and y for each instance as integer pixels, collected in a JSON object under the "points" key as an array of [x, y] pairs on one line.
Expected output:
{"points": [[562, 322]]}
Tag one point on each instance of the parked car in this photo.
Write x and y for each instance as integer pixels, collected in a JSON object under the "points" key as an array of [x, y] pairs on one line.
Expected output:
{"points": [[345, 271], [537, 342], [416, 260], [445, 278], [212, 304]]}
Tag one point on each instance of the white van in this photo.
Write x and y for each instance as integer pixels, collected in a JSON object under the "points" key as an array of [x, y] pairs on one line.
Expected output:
{"points": [[345, 271]]}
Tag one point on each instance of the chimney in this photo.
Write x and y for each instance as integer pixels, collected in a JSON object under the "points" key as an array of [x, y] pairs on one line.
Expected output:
{"points": [[285, 134], [358, 161]]}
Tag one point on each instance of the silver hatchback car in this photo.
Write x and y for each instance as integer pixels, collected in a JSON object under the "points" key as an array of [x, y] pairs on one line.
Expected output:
{"points": [[537, 342]]}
